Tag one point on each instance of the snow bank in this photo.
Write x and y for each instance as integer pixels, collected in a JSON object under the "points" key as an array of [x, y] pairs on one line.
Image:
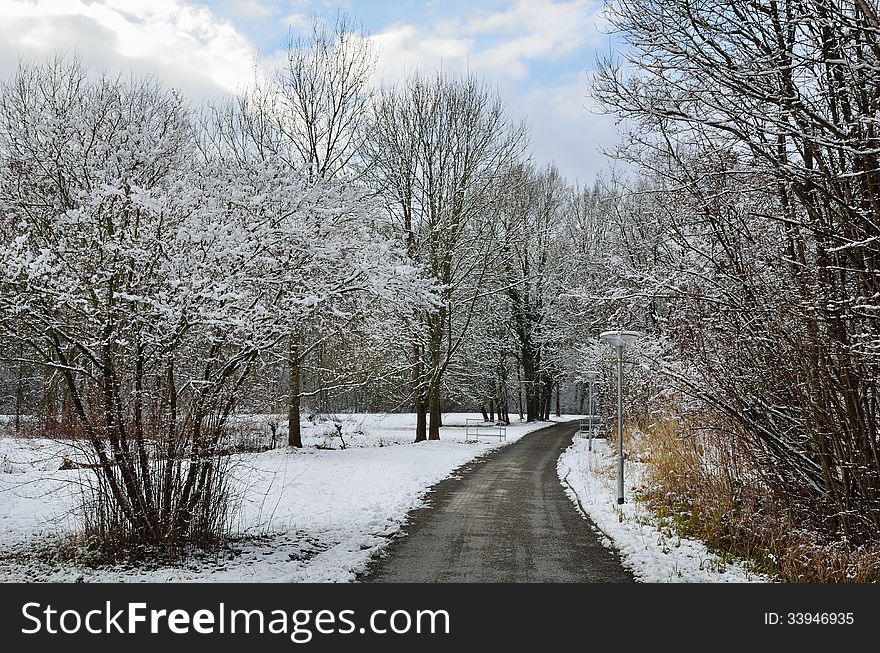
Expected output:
{"points": [[653, 553]]}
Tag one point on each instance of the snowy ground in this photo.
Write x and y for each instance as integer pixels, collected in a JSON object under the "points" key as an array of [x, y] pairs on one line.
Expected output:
{"points": [[312, 515], [653, 552]]}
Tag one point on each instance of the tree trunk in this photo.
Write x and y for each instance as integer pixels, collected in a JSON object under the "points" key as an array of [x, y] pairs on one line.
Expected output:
{"points": [[418, 396], [421, 419], [19, 390], [534, 385], [519, 394], [294, 374], [548, 399], [434, 410], [558, 401]]}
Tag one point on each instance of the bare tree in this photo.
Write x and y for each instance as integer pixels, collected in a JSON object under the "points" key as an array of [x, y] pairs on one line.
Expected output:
{"points": [[760, 121], [323, 94], [437, 149]]}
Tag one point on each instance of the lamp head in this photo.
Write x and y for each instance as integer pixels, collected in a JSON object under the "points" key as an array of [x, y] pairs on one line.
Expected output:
{"points": [[620, 338]]}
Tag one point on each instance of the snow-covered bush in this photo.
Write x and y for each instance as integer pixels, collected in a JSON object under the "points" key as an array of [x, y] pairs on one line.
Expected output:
{"points": [[149, 265]]}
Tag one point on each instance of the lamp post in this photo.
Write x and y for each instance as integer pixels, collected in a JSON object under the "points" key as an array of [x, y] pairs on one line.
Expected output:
{"points": [[619, 340], [591, 377]]}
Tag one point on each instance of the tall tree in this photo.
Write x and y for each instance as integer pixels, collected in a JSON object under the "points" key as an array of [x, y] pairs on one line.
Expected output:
{"points": [[321, 96], [437, 149], [326, 256]]}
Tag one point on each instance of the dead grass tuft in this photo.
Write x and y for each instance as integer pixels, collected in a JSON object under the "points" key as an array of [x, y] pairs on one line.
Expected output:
{"points": [[702, 482]]}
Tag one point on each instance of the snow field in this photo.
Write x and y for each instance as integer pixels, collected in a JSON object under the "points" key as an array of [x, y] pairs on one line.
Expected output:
{"points": [[311, 515]]}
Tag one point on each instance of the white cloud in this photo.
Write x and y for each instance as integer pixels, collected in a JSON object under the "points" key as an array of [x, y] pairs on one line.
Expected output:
{"points": [[406, 48], [501, 44], [252, 10], [185, 45], [505, 46], [566, 127], [564, 17], [298, 22]]}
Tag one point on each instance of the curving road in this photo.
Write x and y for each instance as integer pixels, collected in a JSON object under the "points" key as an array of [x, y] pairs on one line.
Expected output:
{"points": [[502, 519]]}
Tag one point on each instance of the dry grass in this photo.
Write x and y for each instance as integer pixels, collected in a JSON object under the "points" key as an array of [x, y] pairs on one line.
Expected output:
{"points": [[704, 483]]}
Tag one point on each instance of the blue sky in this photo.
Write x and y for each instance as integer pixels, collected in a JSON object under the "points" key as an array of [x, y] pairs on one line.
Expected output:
{"points": [[538, 53], [483, 24]]}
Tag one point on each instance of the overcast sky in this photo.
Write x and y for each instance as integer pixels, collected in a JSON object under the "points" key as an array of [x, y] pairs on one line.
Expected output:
{"points": [[538, 53]]}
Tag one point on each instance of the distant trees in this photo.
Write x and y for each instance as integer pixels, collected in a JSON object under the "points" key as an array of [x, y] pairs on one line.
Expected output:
{"points": [[759, 124], [437, 150], [531, 215]]}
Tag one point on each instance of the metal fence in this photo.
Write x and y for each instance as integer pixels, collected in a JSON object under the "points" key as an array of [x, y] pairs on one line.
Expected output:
{"points": [[476, 428]]}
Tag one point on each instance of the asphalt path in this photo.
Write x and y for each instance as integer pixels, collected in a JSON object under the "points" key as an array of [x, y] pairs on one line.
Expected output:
{"points": [[502, 519]]}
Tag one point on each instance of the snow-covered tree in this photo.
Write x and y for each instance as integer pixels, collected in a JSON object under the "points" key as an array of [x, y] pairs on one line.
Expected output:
{"points": [[151, 264], [328, 264], [532, 215], [315, 105], [757, 122], [436, 149], [131, 290]]}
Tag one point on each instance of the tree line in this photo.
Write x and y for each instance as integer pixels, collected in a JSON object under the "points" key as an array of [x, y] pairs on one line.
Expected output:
{"points": [[753, 240]]}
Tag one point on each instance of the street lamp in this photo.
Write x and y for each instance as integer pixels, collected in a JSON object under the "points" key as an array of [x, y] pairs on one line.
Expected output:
{"points": [[619, 340], [591, 377]]}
